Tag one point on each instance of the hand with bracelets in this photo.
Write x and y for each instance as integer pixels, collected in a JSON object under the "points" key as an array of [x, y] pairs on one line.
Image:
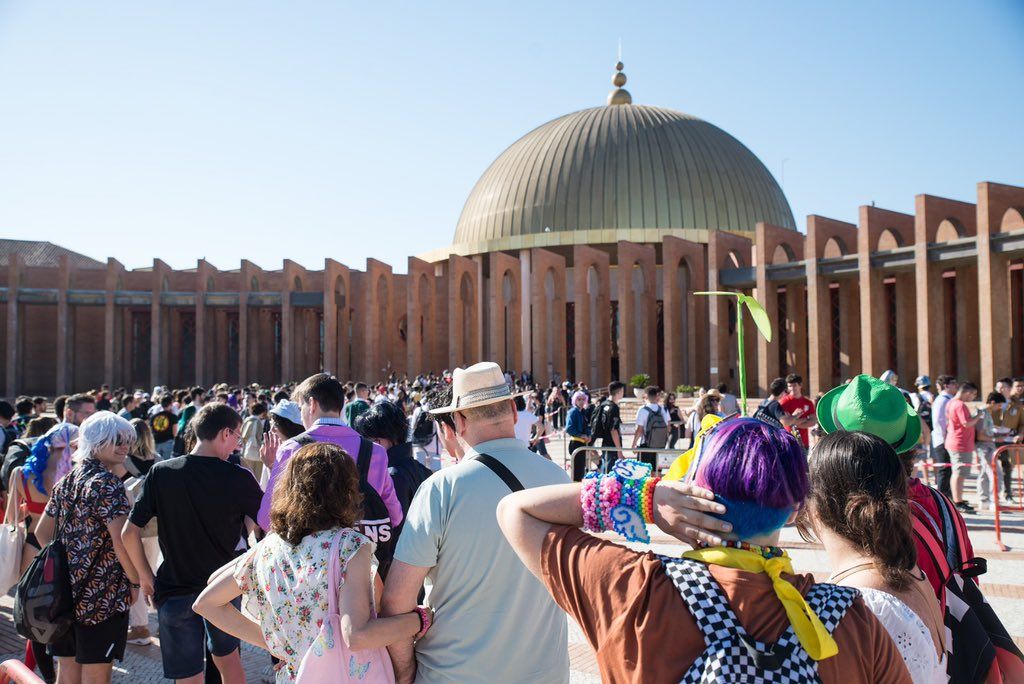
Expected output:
{"points": [[628, 498], [426, 614]]}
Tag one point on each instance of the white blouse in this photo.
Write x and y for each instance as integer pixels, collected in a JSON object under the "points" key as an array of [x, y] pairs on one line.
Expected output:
{"points": [[912, 637]]}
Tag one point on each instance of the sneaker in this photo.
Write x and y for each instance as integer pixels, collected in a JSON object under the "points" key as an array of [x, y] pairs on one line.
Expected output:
{"points": [[139, 636], [965, 507]]}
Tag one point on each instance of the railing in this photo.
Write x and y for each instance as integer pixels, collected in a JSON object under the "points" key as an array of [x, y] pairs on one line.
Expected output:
{"points": [[1015, 451], [14, 671], [669, 454]]}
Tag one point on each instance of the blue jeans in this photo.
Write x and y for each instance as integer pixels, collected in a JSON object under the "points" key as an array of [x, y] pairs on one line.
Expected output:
{"points": [[185, 636]]}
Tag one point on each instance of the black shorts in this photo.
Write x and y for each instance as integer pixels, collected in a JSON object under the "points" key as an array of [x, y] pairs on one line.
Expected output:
{"points": [[93, 644]]}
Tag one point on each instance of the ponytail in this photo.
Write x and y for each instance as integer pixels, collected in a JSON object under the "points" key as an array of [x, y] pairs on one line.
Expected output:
{"points": [[881, 528]]}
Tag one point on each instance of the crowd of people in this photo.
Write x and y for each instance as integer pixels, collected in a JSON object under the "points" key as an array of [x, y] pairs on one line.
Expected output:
{"points": [[418, 530]]}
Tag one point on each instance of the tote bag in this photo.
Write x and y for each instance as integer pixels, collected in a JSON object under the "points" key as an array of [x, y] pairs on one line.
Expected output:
{"points": [[328, 658], [12, 543]]}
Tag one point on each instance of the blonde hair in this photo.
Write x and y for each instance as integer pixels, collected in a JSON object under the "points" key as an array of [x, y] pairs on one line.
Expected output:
{"points": [[144, 446]]}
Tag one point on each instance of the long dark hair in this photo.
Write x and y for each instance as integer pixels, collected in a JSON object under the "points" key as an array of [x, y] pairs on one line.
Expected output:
{"points": [[859, 491]]}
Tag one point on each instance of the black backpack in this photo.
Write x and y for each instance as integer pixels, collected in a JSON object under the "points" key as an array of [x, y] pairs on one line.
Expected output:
{"points": [[423, 429], [16, 456], [597, 427], [376, 521], [11, 433], [44, 608], [762, 414]]}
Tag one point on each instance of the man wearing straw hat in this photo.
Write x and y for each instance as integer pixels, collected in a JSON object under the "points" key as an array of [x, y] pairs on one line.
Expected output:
{"points": [[494, 620]]}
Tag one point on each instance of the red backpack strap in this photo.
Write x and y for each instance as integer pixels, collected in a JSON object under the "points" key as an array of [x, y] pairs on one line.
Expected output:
{"points": [[931, 545], [955, 536]]}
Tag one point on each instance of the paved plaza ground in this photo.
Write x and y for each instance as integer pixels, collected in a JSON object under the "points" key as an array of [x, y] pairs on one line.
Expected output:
{"points": [[1003, 586]]}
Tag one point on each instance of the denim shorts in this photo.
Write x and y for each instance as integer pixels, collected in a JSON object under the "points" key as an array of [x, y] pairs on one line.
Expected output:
{"points": [[185, 636]]}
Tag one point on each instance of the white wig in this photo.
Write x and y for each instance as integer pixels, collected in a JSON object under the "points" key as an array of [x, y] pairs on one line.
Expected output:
{"points": [[101, 429]]}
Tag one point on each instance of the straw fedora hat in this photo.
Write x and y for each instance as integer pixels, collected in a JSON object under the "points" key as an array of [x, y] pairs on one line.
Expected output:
{"points": [[479, 385]]}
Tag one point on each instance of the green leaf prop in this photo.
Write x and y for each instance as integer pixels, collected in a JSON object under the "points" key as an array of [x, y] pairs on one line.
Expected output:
{"points": [[761, 321]]}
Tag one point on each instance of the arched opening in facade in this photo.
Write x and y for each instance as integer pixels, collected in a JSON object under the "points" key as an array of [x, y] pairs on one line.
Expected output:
{"points": [[466, 300], [888, 240], [508, 293], [343, 331], [638, 290], [549, 321], [380, 352], [686, 323], [422, 336], [834, 248], [593, 323]]}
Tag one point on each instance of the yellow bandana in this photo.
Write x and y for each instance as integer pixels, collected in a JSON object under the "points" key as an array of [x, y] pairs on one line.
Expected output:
{"points": [[813, 636]]}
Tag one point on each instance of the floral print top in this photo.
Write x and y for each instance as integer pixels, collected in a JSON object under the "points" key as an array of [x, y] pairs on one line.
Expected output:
{"points": [[82, 504], [284, 588]]}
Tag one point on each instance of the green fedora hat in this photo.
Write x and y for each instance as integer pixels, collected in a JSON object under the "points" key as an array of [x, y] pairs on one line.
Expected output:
{"points": [[867, 404]]}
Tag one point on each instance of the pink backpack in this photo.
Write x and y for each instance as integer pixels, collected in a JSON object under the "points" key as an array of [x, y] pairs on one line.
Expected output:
{"points": [[328, 658]]}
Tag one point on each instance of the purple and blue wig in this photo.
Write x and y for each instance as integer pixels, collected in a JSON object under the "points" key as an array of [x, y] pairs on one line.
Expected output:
{"points": [[57, 439], [758, 471]]}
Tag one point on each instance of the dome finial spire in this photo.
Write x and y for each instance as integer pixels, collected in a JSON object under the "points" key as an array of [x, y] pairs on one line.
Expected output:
{"points": [[619, 96]]}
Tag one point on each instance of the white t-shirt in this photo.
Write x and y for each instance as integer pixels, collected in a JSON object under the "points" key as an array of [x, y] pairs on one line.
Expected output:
{"points": [[524, 426]]}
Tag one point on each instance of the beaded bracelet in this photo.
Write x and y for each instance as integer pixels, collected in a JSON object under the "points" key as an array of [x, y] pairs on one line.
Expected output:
{"points": [[647, 499], [588, 502], [622, 500]]}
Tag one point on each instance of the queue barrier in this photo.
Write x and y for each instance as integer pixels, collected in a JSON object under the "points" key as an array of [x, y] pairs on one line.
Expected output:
{"points": [[14, 671], [1016, 456], [672, 454]]}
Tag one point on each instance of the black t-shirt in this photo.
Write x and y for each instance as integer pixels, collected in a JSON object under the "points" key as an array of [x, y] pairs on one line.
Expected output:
{"points": [[163, 426], [201, 503], [609, 420]]}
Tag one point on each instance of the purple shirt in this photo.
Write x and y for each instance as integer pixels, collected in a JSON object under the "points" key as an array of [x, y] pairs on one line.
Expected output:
{"points": [[332, 431]]}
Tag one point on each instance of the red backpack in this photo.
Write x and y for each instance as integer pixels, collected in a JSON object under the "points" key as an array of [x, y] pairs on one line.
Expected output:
{"points": [[979, 648]]}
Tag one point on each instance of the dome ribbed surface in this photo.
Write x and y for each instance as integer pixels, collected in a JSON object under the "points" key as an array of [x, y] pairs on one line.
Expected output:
{"points": [[622, 167]]}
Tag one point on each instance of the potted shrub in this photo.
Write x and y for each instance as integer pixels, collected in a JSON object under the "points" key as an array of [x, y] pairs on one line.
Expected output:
{"points": [[640, 381]]}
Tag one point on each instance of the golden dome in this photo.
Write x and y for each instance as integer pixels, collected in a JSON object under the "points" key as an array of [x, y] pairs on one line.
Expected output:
{"points": [[601, 174]]}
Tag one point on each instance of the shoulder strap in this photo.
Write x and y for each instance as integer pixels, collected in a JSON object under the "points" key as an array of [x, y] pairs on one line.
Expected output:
{"points": [[830, 603], [363, 461], [303, 439], [703, 597], [499, 469]]}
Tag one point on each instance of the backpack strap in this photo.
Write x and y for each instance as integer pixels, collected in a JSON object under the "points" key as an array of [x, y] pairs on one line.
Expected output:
{"points": [[830, 602], [705, 599], [364, 458], [955, 531], [303, 439], [502, 471]]}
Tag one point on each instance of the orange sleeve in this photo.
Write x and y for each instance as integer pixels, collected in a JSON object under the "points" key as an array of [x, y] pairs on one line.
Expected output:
{"points": [[591, 579]]}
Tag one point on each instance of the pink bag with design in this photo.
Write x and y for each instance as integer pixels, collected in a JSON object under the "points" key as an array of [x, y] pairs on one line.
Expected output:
{"points": [[328, 658]]}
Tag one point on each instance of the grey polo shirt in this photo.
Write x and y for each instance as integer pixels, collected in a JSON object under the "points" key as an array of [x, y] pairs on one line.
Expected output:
{"points": [[495, 622]]}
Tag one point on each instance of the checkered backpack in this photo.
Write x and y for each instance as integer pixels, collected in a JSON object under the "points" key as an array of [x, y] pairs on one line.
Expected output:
{"points": [[732, 655]]}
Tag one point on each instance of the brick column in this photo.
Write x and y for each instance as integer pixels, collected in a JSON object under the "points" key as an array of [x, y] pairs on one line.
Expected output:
{"points": [[157, 372], [111, 339], [14, 356], [63, 325], [203, 273], [526, 299]]}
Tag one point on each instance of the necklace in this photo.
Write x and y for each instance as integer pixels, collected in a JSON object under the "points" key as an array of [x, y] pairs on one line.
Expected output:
{"points": [[763, 551], [852, 570]]}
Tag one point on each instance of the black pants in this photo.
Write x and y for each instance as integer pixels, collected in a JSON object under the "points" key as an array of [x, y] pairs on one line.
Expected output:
{"points": [[651, 459], [1007, 467], [608, 458], [943, 473], [579, 460]]}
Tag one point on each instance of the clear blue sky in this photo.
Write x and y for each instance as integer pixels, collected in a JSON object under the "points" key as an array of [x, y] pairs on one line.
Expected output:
{"points": [[267, 129]]}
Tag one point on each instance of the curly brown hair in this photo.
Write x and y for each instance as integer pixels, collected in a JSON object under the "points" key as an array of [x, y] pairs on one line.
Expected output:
{"points": [[319, 490]]}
